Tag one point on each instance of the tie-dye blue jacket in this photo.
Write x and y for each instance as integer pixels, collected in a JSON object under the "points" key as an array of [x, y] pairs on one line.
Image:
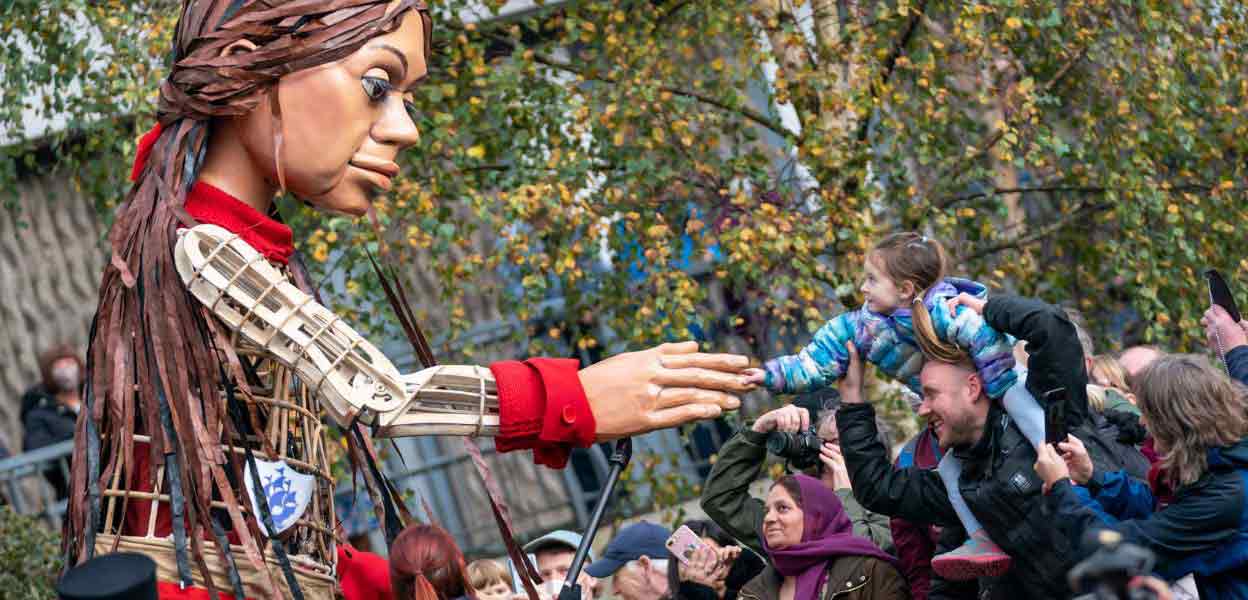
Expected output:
{"points": [[888, 342]]}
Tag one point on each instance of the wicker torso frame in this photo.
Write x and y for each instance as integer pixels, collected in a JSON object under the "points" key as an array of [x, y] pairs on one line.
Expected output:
{"points": [[290, 418], [301, 364]]}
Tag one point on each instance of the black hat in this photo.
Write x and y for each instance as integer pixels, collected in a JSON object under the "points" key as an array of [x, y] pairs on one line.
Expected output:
{"points": [[117, 576]]}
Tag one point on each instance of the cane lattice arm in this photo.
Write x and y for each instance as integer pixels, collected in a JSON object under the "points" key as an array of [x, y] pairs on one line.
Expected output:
{"points": [[256, 300]]}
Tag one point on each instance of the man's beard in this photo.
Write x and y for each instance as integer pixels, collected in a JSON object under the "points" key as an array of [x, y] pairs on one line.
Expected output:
{"points": [[960, 432]]}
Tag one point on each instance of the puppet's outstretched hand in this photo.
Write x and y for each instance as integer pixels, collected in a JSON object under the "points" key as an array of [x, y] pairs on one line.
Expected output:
{"points": [[665, 386]]}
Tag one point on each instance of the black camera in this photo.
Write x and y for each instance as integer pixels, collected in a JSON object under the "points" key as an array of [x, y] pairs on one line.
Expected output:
{"points": [[1105, 574], [800, 449]]}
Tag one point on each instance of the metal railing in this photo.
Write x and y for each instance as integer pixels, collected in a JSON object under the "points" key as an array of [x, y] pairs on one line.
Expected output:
{"points": [[24, 486]]}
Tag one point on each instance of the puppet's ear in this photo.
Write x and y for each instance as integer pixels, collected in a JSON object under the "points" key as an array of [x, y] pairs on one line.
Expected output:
{"points": [[241, 46]]}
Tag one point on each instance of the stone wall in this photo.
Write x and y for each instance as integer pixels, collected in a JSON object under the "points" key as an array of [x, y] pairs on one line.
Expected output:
{"points": [[52, 252]]}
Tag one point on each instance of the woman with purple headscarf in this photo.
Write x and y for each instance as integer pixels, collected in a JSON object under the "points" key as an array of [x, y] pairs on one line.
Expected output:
{"points": [[813, 552]]}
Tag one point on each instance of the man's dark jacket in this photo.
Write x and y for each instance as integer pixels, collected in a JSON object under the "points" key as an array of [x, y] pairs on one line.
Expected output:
{"points": [[998, 480]]}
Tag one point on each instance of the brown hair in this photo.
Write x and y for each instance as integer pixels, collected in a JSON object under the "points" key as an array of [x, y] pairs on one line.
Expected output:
{"points": [[484, 573], [152, 344], [426, 564], [1190, 407], [909, 256], [790, 485], [51, 356]]}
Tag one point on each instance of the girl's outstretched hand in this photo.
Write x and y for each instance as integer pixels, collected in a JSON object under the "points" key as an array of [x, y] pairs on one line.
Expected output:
{"points": [[755, 375]]}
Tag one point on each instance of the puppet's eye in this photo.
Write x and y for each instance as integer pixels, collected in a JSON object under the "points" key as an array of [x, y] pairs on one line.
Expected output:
{"points": [[376, 88]]}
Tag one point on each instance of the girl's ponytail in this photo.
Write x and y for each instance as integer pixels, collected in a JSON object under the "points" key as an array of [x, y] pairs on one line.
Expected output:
{"points": [[925, 333]]}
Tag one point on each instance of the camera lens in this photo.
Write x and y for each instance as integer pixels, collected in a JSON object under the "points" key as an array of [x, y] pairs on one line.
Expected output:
{"points": [[779, 442]]}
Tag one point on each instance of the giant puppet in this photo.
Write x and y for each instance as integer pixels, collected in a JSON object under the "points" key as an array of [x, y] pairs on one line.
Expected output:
{"points": [[212, 368]]}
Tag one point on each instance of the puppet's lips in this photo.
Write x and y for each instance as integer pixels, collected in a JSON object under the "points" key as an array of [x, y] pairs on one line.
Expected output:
{"points": [[385, 167]]}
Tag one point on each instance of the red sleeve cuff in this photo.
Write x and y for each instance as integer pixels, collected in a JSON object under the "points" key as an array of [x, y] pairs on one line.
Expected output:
{"points": [[521, 400], [568, 418], [542, 406]]}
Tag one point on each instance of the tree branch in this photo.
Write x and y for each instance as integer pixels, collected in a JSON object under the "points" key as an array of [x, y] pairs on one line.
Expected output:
{"points": [[951, 201], [1082, 189], [996, 136], [1036, 234], [774, 125], [890, 63]]}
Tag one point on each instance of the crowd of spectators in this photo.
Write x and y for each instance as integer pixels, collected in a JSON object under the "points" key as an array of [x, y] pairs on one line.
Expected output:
{"points": [[1153, 447]]}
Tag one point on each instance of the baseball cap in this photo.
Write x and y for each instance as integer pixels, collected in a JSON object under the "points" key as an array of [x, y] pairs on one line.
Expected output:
{"points": [[561, 538], [631, 543]]}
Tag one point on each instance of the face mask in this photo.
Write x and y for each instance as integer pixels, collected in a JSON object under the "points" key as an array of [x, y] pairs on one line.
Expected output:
{"points": [[66, 378], [550, 589]]}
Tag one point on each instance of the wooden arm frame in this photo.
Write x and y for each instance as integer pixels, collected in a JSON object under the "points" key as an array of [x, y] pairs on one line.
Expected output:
{"points": [[352, 377]]}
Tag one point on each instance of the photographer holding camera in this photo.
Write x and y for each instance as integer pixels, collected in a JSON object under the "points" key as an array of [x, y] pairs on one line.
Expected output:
{"points": [[787, 433]]}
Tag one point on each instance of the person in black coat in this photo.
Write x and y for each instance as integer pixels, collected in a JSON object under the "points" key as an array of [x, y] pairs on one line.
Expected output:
{"points": [[998, 480], [50, 408]]}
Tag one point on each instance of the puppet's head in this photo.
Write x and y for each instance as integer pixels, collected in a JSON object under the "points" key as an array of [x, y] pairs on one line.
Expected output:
{"points": [[308, 96]]}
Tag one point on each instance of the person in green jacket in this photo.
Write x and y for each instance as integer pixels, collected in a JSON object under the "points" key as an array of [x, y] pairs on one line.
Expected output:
{"points": [[726, 493]]}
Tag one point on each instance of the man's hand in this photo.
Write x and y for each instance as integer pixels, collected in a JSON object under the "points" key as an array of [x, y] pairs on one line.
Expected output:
{"points": [[1075, 455], [967, 300], [1219, 326], [1152, 584], [665, 386], [1050, 466], [832, 459], [850, 385], [789, 418]]}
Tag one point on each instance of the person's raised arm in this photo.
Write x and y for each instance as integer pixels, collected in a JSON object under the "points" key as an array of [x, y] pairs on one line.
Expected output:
{"points": [[1175, 533], [913, 494], [1055, 357], [544, 404], [816, 366], [726, 493], [1227, 336], [1118, 494]]}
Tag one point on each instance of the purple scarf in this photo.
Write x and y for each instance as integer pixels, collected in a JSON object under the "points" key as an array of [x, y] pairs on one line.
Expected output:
{"points": [[826, 534]]}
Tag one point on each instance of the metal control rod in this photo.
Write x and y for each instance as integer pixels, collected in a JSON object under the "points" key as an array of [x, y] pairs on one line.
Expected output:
{"points": [[619, 459]]}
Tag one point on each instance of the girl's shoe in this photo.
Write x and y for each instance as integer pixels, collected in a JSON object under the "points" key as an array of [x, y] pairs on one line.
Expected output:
{"points": [[978, 557]]}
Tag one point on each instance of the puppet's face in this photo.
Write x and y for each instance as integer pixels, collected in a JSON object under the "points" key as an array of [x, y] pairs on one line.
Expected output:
{"points": [[344, 123]]}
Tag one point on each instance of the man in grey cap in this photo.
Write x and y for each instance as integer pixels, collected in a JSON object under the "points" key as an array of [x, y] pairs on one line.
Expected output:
{"points": [[553, 554], [636, 559]]}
